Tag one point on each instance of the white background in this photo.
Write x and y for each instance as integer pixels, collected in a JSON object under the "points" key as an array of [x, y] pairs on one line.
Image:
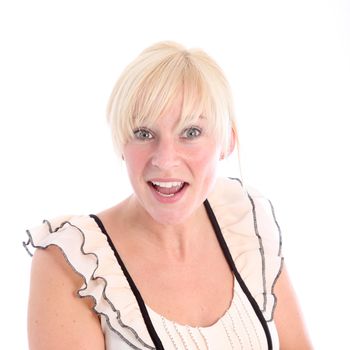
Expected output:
{"points": [[288, 64]]}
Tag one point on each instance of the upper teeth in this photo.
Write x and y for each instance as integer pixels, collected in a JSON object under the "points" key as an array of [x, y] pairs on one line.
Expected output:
{"points": [[167, 184]]}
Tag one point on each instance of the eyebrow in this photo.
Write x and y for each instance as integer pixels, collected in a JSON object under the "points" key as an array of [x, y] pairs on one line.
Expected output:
{"points": [[201, 117]]}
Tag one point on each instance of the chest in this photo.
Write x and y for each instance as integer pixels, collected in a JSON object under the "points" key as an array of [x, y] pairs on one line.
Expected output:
{"points": [[195, 293]]}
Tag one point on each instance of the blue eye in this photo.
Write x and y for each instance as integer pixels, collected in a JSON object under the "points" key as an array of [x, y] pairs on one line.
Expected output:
{"points": [[191, 133], [143, 134]]}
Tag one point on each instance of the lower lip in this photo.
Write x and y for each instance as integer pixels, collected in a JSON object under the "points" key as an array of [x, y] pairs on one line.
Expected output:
{"points": [[171, 199]]}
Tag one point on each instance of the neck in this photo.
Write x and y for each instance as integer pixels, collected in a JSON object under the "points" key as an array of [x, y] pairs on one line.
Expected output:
{"points": [[176, 241]]}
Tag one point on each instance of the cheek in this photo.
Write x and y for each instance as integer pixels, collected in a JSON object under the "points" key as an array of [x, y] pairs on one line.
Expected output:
{"points": [[205, 159], [134, 159]]}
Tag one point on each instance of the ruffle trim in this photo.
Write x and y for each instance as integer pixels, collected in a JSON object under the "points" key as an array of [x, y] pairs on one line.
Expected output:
{"points": [[86, 250], [249, 226]]}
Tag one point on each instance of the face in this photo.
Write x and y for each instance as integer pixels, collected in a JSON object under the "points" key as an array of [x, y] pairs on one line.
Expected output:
{"points": [[171, 171]]}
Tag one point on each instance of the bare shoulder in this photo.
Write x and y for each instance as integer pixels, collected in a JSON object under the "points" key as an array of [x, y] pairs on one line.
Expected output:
{"points": [[288, 316], [57, 317]]}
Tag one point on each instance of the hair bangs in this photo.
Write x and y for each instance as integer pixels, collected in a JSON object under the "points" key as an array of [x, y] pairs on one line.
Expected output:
{"points": [[195, 102], [158, 91]]}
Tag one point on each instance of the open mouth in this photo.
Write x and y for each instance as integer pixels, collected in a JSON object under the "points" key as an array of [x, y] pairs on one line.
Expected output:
{"points": [[168, 189]]}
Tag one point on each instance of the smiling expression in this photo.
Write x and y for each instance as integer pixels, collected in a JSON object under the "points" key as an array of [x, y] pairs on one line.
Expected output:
{"points": [[171, 171]]}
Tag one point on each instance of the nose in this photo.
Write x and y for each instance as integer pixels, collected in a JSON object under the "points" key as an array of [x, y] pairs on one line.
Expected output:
{"points": [[166, 154]]}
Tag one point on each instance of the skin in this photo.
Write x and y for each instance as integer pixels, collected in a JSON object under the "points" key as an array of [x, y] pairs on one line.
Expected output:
{"points": [[57, 319], [288, 316], [160, 152], [178, 253]]}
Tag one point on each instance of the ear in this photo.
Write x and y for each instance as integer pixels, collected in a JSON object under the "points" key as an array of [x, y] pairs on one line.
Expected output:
{"points": [[231, 147], [232, 142]]}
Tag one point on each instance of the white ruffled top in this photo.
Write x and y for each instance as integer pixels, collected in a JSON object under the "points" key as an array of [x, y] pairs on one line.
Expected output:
{"points": [[247, 224]]}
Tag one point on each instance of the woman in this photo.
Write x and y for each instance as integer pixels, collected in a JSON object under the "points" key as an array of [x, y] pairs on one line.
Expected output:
{"points": [[188, 261]]}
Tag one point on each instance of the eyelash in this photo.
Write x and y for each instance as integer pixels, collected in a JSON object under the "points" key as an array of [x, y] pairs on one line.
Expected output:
{"points": [[193, 128], [140, 133]]}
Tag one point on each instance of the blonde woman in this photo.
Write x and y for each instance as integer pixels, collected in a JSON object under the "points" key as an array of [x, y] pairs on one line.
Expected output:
{"points": [[189, 260]]}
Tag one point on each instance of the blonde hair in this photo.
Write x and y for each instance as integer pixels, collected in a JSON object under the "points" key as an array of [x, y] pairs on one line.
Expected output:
{"points": [[149, 85]]}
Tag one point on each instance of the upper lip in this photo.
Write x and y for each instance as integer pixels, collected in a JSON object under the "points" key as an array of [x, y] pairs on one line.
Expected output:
{"points": [[158, 179]]}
